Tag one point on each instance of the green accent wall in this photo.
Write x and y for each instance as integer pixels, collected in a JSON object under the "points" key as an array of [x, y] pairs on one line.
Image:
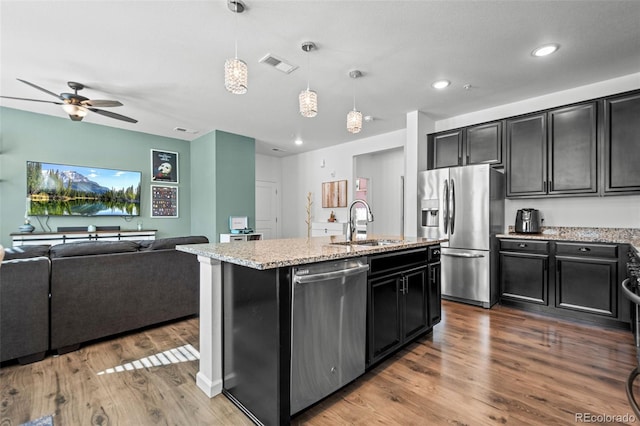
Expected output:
{"points": [[223, 176], [28, 136], [235, 179]]}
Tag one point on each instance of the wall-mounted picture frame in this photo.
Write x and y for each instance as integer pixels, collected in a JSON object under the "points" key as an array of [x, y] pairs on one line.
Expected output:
{"points": [[334, 194], [164, 166], [164, 201]]}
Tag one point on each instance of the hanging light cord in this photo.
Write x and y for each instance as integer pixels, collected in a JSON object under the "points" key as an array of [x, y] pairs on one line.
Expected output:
{"points": [[236, 27], [308, 69]]}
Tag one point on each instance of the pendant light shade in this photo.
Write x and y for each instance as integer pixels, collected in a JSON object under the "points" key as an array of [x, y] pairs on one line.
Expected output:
{"points": [[235, 76], [354, 117], [354, 121], [308, 100]]}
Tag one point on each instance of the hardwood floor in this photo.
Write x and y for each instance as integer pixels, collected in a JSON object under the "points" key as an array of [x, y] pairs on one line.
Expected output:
{"points": [[498, 366]]}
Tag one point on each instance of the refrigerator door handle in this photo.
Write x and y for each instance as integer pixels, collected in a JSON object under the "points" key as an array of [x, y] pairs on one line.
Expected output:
{"points": [[445, 197], [452, 209]]}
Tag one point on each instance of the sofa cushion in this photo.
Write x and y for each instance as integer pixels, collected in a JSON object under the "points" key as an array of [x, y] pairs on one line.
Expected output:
{"points": [[22, 252], [171, 243], [86, 248]]}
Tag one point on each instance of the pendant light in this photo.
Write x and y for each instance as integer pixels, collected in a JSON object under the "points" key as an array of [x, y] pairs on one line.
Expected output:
{"points": [[308, 99], [354, 117], [235, 70]]}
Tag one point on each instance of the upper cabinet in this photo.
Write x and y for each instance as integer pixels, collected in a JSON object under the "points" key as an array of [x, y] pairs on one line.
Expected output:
{"points": [[622, 143], [527, 155], [589, 148], [446, 148], [477, 144], [553, 153], [484, 143], [573, 143]]}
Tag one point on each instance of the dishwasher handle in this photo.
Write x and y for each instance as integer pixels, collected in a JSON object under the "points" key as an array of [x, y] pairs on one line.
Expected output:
{"points": [[302, 279], [465, 255]]}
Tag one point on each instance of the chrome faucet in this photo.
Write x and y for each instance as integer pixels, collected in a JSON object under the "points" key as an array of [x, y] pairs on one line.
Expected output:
{"points": [[351, 227]]}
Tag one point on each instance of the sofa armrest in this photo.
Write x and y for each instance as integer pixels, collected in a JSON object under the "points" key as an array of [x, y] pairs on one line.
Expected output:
{"points": [[24, 308]]}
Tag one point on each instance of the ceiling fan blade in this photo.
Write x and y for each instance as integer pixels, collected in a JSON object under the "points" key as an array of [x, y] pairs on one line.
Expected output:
{"points": [[33, 100], [40, 88], [102, 103], [113, 115]]}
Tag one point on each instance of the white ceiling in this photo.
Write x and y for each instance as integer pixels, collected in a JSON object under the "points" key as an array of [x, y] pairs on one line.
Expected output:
{"points": [[164, 60]]}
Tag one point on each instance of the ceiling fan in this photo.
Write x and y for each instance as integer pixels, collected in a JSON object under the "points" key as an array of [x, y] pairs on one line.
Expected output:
{"points": [[76, 105]]}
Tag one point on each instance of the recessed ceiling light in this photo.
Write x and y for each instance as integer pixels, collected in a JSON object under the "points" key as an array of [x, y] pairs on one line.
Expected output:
{"points": [[298, 142], [545, 50], [440, 84]]}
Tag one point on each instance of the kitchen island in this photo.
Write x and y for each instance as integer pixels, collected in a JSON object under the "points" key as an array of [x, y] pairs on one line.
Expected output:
{"points": [[246, 310]]}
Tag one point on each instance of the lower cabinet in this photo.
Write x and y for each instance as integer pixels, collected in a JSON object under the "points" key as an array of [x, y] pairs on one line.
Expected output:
{"points": [[404, 301], [569, 279], [587, 278]]}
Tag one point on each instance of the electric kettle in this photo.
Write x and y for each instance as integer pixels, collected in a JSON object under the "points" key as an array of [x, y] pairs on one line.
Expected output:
{"points": [[528, 221]]}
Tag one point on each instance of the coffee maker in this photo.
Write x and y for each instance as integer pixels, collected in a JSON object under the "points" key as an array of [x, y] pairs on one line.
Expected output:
{"points": [[528, 221]]}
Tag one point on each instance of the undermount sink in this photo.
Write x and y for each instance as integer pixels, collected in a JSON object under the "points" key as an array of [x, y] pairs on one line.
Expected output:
{"points": [[376, 242]]}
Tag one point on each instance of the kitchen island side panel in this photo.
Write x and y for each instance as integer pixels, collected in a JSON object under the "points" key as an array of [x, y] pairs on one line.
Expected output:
{"points": [[256, 338]]}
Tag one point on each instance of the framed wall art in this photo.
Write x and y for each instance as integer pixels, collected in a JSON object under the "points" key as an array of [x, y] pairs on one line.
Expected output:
{"points": [[164, 201], [334, 194], [164, 166]]}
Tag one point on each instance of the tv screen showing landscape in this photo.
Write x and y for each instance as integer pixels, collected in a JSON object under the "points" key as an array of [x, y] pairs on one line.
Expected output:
{"points": [[64, 190]]}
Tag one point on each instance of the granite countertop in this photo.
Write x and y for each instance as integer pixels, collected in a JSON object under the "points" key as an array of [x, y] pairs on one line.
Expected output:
{"points": [[269, 254], [592, 235]]}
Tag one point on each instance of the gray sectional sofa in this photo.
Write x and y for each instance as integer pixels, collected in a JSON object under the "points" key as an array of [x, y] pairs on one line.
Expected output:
{"points": [[78, 292]]}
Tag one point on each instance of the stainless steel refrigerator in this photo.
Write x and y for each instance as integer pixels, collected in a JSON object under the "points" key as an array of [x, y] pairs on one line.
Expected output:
{"points": [[464, 205]]}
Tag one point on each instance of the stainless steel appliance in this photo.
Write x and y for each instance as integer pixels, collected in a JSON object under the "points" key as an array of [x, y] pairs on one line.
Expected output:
{"points": [[466, 206], [328, 336], [528, 221]]}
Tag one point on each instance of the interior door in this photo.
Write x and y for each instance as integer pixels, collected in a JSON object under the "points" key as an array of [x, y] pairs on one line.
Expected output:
{"points": [[267, 202]]}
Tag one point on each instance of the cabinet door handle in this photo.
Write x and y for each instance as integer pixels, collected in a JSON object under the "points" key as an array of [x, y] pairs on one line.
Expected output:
{"points": [[522, 245], [584, 249], [544, 186]]}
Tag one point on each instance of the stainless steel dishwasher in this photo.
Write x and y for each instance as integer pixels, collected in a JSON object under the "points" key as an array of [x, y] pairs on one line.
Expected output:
{"points": [[328, 328]]}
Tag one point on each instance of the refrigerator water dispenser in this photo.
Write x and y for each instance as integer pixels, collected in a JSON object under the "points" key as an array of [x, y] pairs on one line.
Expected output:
{"points": [[430, 212]]}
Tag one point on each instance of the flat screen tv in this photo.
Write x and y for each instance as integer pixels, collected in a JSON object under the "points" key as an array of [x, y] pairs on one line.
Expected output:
{"points": [[64, 190]]}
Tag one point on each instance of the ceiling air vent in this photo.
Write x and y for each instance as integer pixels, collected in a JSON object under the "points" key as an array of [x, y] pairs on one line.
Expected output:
{"points": [[183, 130], [278, 63]]}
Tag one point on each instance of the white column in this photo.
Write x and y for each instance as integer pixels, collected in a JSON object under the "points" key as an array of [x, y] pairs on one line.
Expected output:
{"points": [[209, 378], [415, 160]]}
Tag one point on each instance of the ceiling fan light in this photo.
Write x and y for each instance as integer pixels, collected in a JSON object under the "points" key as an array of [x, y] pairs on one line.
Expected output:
{"points": [[75, 110], [354, 121], [235, 76], [308, 100]]}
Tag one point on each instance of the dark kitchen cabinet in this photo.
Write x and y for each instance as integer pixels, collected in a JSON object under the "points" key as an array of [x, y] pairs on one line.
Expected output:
{"points": [[574, 280], [477, 144], [526, 149], [435, 294], [399, 307], [404, 300], [524, 268], [446, 148], [572, 144], [553, 153], [622, 143], [484, 144], [587, 278]]}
